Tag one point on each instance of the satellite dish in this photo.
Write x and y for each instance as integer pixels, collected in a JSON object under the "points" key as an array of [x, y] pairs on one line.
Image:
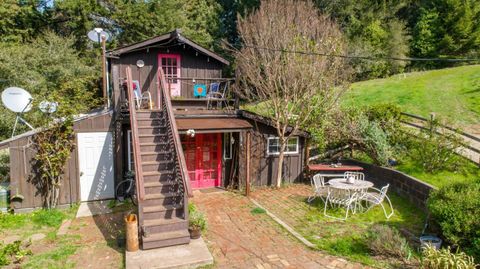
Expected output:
{"points": [[17, 99], [96, 35], [48, 107]]}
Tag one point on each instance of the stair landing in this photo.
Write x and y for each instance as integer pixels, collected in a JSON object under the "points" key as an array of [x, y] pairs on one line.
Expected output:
{"points": [[190, 255]]}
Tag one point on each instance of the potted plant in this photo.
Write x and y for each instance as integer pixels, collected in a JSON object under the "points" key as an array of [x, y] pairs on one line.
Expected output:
{"points": [[197, 222]]}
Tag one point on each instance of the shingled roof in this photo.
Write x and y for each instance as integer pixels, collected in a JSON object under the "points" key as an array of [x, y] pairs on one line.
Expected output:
{"points": [[176, 36]]}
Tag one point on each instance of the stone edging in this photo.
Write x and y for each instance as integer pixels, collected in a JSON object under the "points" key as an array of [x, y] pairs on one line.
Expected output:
{"points": [[286, 226]]}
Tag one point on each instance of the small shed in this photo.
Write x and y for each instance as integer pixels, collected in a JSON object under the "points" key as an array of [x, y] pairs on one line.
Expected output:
{"points": [[93, 139]]}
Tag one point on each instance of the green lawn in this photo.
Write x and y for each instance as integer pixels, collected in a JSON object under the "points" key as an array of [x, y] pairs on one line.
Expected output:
{"points": [[348, 238], [470, 172], [453, 93]]}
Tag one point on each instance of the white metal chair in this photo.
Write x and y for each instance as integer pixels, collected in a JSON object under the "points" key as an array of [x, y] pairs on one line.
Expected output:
{"points": [[141, 97], [377, 198], [217, 94], [320, 188], [355, 175], [341, 198]]}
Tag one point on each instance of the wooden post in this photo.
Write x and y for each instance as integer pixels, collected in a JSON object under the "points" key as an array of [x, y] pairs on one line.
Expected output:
{"points": [[104, 72], [247, 181]]}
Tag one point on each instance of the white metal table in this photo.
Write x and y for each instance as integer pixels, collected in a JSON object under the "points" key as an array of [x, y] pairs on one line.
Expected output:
{"points": [[346, 194], [357, 185]]}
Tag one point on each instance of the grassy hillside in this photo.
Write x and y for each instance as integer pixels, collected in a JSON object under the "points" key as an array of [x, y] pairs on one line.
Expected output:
{"points": [[452, 93]]}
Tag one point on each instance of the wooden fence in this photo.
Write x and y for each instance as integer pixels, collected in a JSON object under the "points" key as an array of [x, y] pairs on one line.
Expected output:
{"points": [[470, 144]]}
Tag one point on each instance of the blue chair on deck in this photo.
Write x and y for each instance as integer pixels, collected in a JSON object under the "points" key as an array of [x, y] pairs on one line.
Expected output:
{"points": [[199, 90]]}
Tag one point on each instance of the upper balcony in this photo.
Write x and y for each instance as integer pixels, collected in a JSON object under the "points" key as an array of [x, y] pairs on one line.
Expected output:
{"points": [[190, 96]]}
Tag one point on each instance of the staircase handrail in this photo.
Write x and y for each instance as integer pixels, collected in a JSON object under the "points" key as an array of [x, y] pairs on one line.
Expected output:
{"points": [[135, 137], [176, 136]]}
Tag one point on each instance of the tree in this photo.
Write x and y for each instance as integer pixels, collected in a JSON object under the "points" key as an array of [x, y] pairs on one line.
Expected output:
{"points": [[375, 29], [50, 69], [292, 84]]}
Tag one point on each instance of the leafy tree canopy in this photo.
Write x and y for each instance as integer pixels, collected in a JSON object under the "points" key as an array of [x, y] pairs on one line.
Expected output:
{"points": [[50, 69]]}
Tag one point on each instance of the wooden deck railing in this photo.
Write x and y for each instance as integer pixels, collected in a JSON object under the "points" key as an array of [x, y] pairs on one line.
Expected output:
{"points": [[135, 138], [166, 106]]}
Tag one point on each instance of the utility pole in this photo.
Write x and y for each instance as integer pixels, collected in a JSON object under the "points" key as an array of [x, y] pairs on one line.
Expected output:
{"points": [[104, 71]]}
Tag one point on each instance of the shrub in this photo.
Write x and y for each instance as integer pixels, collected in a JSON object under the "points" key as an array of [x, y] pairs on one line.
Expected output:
{"points": [[436, 149], [386, 241], [12, 221], [456, 208], [197, 221], [48, 217], [13, 252], [4, 166], [444, 259]]}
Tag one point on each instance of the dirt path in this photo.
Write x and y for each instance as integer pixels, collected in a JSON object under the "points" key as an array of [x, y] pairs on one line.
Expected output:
{"points": [[99, 248]]}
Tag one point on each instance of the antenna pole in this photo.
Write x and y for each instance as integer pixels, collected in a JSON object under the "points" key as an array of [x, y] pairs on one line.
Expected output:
{"points": [[104, 72]]}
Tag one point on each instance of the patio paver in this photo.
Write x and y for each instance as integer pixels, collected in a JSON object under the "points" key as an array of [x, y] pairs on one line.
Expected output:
{"points": [[240, 239]]}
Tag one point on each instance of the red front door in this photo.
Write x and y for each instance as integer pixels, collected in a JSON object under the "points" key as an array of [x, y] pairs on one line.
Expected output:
{"points": [[203, 156]]}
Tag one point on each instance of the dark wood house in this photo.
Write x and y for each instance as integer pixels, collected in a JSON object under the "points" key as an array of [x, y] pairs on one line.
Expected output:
{"points": [[175, 122]]}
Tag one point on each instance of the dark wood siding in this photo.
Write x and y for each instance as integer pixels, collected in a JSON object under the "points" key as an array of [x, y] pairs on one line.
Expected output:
{"points": [[193, 65], [22, 153], [263, 167]]}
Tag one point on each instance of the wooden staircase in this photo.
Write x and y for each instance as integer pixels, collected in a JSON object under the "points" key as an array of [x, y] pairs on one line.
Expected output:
{"points": [[162, 186], [162, 212]]}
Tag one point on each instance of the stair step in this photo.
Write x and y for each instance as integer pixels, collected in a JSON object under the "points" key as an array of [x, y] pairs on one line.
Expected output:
{"points": [[155, 152], [166, 239], [158, 184], [157, 162], [151, 126], [158, 176], [154, 143], [149, 110], [161, 208], [162, 195], [151, 135], [158, 173], [158, 222], [166, 236]]}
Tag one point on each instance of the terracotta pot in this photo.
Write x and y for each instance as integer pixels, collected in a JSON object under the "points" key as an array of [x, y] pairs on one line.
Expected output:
{"points": [[131, 224], [195, 233]]}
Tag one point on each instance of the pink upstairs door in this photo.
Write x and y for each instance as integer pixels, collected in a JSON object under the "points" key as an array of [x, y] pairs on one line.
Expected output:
{"points": [[170, 63], [203, 158]]}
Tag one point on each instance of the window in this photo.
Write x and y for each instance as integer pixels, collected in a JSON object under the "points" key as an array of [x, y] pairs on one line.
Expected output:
{"points": [[227, 146], [273, 146], [130, 163]]}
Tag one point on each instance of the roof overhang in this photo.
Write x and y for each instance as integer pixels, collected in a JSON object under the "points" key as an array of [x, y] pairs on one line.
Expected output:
{"points": [[212, 125], [175, 36], [97, 112]]}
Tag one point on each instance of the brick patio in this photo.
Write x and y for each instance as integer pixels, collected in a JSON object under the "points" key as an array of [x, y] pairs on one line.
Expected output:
{"points": [[240, 239]]}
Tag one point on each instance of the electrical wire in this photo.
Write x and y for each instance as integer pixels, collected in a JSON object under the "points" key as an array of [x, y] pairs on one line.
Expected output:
{"points": [[370, 58]]}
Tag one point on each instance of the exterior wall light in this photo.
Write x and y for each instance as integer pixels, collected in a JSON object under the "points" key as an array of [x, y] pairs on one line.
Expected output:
{"points": [[191, 132]]}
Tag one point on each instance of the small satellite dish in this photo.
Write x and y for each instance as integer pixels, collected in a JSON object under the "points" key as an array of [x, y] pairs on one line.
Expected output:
{"points": [[96, 35], [48, 107], [17, 99], [140, 63]]}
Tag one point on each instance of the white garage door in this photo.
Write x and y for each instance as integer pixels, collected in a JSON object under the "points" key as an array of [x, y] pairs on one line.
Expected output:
{"points": [[95, 157]]}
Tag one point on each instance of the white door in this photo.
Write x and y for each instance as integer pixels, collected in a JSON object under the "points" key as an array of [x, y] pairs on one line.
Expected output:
{"points": [[95, 157]]}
